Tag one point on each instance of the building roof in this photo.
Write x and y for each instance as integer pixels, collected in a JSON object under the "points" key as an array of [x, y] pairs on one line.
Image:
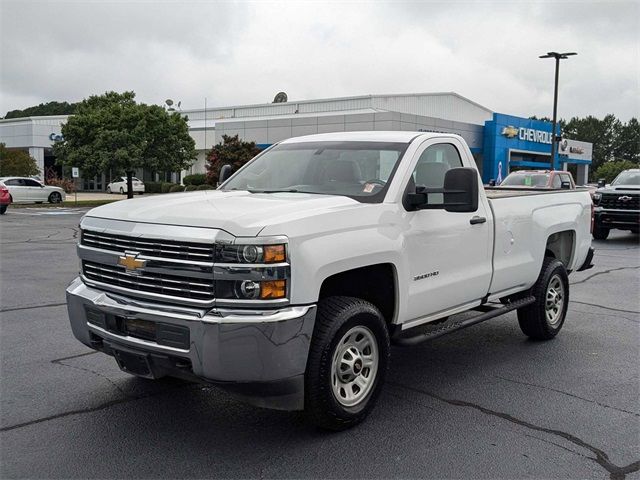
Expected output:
{"points": [[372, 136], [444, 105]]}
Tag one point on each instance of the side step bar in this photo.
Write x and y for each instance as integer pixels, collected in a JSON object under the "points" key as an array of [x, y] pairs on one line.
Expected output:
{"points": [[399, 339]]}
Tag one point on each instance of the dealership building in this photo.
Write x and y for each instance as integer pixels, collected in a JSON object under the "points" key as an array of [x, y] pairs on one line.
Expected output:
{"points": [[499, 142]]}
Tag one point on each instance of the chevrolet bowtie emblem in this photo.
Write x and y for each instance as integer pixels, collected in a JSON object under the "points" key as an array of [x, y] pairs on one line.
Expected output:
{"points": [[509, 132], [131, 263], [625, 198]]}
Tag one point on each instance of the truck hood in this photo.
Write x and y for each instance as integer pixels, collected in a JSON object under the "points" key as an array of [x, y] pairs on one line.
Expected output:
{"points": [[239, 212]]}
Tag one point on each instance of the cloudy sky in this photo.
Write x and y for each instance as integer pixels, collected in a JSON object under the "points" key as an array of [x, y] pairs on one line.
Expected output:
{"points": [[244, 52]]}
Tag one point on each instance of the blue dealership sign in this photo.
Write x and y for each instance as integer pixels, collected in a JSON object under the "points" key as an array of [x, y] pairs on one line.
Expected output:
{"points": [[515, 142]]}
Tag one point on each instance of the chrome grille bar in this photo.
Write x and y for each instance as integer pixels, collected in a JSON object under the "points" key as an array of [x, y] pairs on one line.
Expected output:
{"points": [[158, 248], [174, 286]]}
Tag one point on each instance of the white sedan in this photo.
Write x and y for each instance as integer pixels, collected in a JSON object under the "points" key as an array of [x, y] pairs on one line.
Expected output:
{"points": [[28, 190], [120, 186]]}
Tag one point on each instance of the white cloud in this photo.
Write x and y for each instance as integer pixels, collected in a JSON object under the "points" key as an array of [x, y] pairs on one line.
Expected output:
{"points": [[240, 52]]}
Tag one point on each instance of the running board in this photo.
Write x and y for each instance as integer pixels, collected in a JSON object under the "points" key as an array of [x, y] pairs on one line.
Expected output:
{"points": [[399, 339]]}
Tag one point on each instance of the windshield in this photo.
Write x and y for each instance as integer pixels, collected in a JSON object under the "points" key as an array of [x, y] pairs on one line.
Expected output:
{"points": [[360, 170], [627, 178], [527, 180]]}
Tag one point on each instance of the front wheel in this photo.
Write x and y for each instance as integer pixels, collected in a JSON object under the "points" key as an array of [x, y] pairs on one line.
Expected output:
{"points": [[109, 190], [55, 197], [347, 363], [3, 209], [600, 233], [543, 319]]}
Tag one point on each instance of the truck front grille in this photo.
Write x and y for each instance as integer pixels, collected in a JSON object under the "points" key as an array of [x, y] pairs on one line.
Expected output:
{"points": [[169, 249], [176, 286], [620, 201]]}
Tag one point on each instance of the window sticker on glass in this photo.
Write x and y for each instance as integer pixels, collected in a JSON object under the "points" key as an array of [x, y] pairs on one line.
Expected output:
{"points": [[527, 181], [368, 187]]}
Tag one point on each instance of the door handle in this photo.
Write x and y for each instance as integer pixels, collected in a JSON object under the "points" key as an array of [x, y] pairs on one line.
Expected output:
{"points": [[477, 219]]}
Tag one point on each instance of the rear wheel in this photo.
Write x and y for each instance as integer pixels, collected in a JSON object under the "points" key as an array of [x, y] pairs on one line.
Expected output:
{"points": [[121, 191], [3, 209], [600, 233], [347, 363], [543, 319], [55, 197]]}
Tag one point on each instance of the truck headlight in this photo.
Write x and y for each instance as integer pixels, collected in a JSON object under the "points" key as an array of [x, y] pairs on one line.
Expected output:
{"points": [[251, 253], [251, 289]]}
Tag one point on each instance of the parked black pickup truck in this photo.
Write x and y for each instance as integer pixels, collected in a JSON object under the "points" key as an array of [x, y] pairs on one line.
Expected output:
{"points": [[618, 205]]}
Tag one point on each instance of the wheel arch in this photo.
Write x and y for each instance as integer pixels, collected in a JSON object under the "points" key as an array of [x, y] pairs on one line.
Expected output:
{"points": [[561, 245], [376, 283]]}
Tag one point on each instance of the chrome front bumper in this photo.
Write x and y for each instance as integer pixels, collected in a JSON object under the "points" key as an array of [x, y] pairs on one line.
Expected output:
{"points": [[259, 355]]}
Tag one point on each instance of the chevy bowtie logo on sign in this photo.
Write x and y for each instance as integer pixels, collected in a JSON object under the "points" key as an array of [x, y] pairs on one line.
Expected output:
{"points": [[510, 132], [131, 263]]}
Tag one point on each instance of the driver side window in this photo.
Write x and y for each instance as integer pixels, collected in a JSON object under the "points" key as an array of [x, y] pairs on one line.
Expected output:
{"points": [[433, 165]]}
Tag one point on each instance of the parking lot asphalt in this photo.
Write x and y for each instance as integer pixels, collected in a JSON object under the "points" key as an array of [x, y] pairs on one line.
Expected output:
{"points": [[481, 403]]}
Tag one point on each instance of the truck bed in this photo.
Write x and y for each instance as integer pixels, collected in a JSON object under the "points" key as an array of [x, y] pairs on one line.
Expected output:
{"points": [[495, 193]]}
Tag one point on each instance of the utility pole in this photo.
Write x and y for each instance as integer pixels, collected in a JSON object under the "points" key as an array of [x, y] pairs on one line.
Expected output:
{"points": [[554, 139]]}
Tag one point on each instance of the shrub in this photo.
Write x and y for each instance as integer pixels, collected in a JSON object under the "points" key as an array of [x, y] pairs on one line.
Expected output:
{"points": [[153, 187], [610, 170], [166, 187], [195, 179], [67, 184], [190, 188], [176, 188], [206, 186]]}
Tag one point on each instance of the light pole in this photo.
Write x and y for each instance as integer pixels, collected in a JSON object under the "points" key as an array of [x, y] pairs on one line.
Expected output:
{"points": [[558, 57]]}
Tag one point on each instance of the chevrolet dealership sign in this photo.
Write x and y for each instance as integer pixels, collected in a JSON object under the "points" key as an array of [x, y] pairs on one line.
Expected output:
{"points": [[528, 134]]}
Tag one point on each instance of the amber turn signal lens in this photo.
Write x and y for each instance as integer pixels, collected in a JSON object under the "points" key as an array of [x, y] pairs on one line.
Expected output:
{"points": [[273, 289], [274, 253]]}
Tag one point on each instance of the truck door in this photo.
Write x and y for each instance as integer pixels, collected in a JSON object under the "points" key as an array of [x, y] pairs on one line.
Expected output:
{"points": [[449, 252]]}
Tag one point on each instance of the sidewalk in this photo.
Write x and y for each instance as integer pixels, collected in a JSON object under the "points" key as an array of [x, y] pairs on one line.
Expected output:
{"points": [[101, 196]]}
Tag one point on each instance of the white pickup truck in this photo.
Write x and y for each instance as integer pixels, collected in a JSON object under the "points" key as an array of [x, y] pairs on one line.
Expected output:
{"points": [[287, 284]]}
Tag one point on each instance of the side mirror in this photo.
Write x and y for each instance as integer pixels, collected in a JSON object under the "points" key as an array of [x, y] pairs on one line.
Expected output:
{"points": [[565, 185], [225, 173], [492, 183], [414, 201], [42, 185], [602, 183], [461, 190]]}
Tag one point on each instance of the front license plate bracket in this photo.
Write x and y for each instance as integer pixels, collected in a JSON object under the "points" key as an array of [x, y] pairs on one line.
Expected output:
{"points": [[133, 363]]}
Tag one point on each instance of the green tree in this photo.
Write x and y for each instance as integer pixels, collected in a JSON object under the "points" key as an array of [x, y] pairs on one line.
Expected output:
{"points": [[49, 108], [16, 163], [627, 145], [604, 135], [113, 132], [610, 170], [232, 151]]}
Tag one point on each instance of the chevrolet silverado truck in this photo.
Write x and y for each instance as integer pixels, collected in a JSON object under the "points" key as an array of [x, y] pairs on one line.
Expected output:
{"points": [[287, 285], [617, 206]]}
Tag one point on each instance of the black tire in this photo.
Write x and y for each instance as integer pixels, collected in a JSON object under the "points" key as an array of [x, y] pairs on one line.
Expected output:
{"points": [[533, 318], [600, 233], [109, 190], [336, 317], [55, 197], [121, 191], [3, 209]]}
